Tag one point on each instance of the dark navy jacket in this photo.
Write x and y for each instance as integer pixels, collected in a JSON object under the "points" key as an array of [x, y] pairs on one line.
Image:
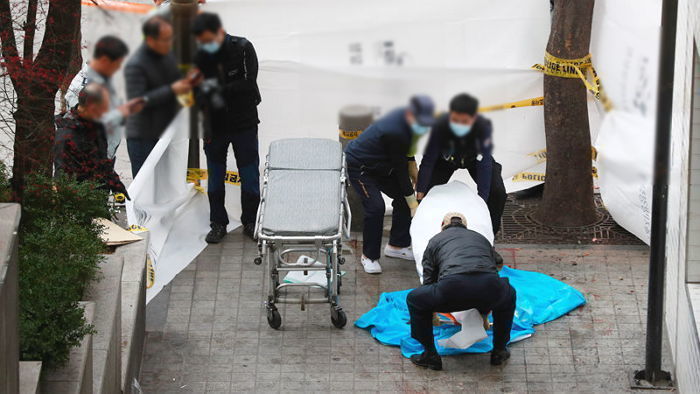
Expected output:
{"points": [[453, 152], [382, 149]]}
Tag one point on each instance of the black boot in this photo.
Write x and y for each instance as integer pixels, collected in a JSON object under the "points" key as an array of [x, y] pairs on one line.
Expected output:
{"points": [[428, 360], [498, 357], [498, 258], [217, 233], [249, 230]]}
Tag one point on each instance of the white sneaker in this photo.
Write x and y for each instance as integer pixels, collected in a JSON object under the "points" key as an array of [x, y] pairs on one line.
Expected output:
{"points": [[371, 266], [403, 253]]}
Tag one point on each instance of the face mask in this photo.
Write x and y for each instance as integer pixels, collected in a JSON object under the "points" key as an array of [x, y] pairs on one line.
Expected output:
{"points": [[460, 130], [210, 47], [418, 129]]}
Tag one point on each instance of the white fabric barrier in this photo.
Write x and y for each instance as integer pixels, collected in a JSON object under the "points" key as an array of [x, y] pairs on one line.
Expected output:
{"points": [[175, 214]]}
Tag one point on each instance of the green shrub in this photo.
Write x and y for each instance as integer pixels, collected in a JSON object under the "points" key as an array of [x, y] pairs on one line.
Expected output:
{"points": [[60, 252]]}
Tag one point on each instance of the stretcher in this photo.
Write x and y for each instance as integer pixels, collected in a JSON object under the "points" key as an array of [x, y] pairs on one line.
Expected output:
{"points": [[303, 209]]}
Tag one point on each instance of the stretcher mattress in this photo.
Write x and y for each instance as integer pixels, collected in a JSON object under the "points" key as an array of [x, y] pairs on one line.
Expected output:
{"points": [[305, 154], [302, 203]]}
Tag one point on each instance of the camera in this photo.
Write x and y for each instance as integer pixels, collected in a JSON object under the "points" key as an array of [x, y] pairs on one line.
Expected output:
{"points": [[212, 93]]}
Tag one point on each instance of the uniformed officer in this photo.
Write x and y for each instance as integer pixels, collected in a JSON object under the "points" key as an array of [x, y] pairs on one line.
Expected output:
{"points": [[378, 162], [463, 139]]}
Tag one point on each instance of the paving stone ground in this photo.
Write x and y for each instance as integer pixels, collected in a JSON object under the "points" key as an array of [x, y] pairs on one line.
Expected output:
{"points": [[208, 331]]}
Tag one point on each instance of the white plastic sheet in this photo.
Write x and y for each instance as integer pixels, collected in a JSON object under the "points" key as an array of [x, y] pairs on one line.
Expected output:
{"points": [[472, 330]]}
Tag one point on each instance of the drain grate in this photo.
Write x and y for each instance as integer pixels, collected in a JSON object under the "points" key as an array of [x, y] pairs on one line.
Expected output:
{"points": [[518, 226]]}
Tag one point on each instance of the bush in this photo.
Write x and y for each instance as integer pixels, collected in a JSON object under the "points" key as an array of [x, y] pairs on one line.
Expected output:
{"points": [[60, 252]]}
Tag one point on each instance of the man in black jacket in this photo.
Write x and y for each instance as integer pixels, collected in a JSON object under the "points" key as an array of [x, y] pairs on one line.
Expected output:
{"points": [[460, 273], [228, 96], [463, 139], [80, 147], [378, 162], [152, 74]]}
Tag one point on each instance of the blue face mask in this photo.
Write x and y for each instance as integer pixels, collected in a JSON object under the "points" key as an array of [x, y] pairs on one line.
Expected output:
{"points": [[418, 129], [210, 47], [460, 130]]}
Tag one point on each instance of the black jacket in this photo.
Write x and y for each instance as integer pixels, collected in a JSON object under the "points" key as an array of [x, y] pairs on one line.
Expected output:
{"points": [[382, 149], [149, 75], [80, 151], [472, 150], [235, 67], [457, 250]]}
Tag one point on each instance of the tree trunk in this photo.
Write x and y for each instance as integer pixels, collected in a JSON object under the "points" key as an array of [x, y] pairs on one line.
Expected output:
{"points": [[568, 191], [36, 84]]}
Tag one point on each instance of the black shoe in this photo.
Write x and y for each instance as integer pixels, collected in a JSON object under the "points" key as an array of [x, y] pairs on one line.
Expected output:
{"points": [[498, 357], [499, 258], [217, 233], [249, 230], [425, 360]]}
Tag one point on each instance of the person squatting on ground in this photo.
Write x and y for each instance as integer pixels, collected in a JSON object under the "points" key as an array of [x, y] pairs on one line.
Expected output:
{"points": [[460, 273], [378, 162], [80, 147], [228, 95], [107, 58], [152, 74], [463, 139]]}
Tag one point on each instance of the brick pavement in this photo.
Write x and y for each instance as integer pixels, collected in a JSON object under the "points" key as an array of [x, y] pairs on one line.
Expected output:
{"points": [[214, 337]]}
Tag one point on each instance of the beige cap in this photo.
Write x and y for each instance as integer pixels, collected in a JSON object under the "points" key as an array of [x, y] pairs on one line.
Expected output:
{"points": [[448, 219]]}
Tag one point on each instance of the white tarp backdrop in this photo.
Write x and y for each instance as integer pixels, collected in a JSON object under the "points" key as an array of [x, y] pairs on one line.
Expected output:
{"points": [[317, 56]]}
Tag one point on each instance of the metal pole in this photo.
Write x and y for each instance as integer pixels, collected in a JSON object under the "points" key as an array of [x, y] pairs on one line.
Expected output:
{"points": [[183, 12], [652, 375]]}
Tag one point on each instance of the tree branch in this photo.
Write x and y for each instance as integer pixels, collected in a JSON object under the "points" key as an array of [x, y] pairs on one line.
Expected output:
{"points": [[8, 44], [29, 31]]}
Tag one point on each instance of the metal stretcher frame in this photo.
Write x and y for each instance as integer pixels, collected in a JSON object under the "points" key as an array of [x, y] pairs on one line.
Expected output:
{"points": [[274, 248]]}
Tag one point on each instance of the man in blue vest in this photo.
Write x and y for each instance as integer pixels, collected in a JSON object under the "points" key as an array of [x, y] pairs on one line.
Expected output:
{"points": [[378, 162]]}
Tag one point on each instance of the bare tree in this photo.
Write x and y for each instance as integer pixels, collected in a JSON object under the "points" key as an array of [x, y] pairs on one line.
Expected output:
{"points": [[568, 191], [36, 77]]}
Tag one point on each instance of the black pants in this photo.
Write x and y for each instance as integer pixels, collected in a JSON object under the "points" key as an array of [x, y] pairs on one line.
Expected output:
{"points": [[245, 149], [370, 189], [139, 149], [497, 196], [483, 291]]}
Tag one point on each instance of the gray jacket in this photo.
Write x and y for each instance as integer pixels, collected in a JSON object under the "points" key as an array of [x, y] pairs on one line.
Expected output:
{"points": [[113, 120], [457, 250], [149, 75]]}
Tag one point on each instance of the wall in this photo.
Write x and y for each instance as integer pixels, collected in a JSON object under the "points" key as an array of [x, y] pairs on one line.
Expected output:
{"points": [[9, 301], [679, 316]]}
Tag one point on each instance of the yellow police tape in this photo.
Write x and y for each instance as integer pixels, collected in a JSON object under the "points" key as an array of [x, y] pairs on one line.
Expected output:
{"points": [[195, 175], [580, 68], [533, 102], [136, 229], [541, 155], [151, 273], [540, 177], [349, 134]]}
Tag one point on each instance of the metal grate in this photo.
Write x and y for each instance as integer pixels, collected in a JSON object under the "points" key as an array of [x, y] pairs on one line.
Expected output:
{"points": [[518, 226]]}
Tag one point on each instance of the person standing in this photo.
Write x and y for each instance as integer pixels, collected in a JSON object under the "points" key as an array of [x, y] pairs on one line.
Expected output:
{"points": [[107, 59], [463, 139], [80, 146], [228, 95], [460, 273], [378, 162], [152, 74]]}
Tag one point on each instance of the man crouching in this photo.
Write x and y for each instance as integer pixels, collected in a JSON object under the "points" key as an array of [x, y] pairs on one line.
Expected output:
{"points": [[460, 273]]}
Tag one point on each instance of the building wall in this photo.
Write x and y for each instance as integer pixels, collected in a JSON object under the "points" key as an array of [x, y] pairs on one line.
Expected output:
{"points": [[680, 320]]}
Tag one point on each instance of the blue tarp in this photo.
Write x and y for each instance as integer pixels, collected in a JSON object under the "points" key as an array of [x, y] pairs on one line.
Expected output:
{"points": [[540, 299]]}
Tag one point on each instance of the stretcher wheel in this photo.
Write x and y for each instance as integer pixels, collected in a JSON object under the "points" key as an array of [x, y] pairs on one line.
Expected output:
{"points": [[258, 260], [338, 318], [274, 319]]}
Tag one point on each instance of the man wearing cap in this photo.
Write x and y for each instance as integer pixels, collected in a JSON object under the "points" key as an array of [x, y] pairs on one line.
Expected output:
{"points": [[378, 162], [460, 273], [462, 139]]}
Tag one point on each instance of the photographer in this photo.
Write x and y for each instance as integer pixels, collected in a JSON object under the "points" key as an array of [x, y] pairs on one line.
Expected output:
{"points": [[228, 95]]}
